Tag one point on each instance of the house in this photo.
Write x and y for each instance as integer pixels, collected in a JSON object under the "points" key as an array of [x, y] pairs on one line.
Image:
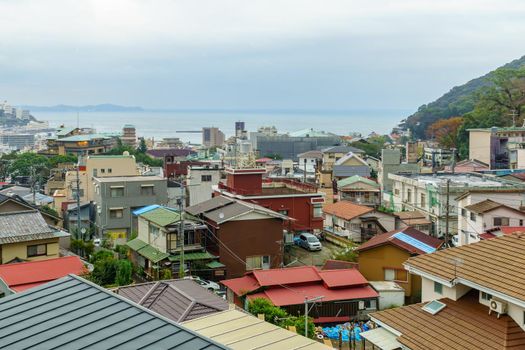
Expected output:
{"points": [[117, 197], [74, 313], [345, 293], [231, 328], [391, 164], [244, 235], [25, 236], [415, 219], [200, 182], [356, 222], [359, 190], [468, 166], [159, 243], [71, 216], [330, 156], [179, 300], [437, 157], [476, 287], [500, 148], [310, 160], [300, 201], [80, 144], [501, 231], [428, 193], [168, 155], [382, 257], [349, 165], [13, 203], [475, 219], [18, 277]]}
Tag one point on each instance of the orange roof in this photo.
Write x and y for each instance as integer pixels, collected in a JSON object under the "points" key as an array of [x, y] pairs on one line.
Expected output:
{"points": [[346, 210]]}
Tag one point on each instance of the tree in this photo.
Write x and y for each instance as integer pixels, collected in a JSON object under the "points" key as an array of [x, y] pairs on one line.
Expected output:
{"points": [[142, 146], [445, 132], [507, 92], [272, 313], [347, 254], [55, 160], [27, 164], [123, 273]]}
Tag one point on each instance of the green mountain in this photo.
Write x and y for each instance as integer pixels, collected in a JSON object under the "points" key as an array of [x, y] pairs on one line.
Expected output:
{"points": [[458, 101]]}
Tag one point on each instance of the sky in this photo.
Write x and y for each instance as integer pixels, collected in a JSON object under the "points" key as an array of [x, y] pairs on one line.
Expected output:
{"points": [[258, 54]]}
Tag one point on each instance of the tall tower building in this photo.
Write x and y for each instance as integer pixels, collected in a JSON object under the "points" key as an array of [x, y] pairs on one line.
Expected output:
{"points": [[212, 137], [129, 135]]}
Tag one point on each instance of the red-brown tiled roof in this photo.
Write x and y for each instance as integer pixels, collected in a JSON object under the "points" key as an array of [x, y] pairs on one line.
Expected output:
{"points": [[346, 210], [341, 278], [242, 285], [290, 275], [386, 238], [338, 264]]}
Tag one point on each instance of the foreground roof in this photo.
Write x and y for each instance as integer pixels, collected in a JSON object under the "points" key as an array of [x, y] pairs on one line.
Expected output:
{"points": [[240, 330], [346, 210], [24, 226], [495, 264], [73, 313], [25, 275], [179, 300], [409, 239], [486, 206], [463, 325]]}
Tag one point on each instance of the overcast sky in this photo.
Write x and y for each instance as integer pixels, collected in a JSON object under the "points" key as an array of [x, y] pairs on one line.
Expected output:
{"points": [[305, 54]]}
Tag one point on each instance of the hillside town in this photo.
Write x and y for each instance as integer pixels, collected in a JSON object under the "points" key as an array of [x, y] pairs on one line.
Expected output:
{"points": [[262, 240]]}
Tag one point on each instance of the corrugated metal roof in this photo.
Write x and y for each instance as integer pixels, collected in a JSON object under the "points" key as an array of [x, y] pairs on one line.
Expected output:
{"points": [[161, 216], [149, 252], [145, 209], [351, 170], [242, 331], [382, 338], [194, 256], [210, 204], [414, 242], [24, 226], [73, 313], [179, 300], [356, 178]]}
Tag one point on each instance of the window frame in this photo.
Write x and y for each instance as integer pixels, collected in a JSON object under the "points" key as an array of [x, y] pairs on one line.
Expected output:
{"points": [[111, 210], [438, 288], [36, 252]]}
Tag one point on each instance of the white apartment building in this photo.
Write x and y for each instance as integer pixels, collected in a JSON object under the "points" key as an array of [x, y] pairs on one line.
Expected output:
{"points": [[200, 182]]}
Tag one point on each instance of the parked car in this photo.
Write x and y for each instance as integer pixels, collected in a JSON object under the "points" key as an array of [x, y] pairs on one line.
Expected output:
{"points": [[209, 285], [309, 241]]}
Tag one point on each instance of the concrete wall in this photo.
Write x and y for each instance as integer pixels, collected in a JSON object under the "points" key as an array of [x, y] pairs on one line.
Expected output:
{"points": [[480, 145], [454, 293], [198, 190]]}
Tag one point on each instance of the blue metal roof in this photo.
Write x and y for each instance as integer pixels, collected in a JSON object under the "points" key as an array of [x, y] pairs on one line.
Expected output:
{"points": [[414, 242], [72, 313], [145, 209]]}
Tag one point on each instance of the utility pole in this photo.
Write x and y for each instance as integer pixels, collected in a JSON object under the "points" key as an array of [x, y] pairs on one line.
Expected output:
{"points": [[305, 170], [181, 229], [447, 209], [79, 223], [306, 301]]}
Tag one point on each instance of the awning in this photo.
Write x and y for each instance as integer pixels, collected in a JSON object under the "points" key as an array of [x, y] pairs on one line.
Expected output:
{"points": [[193, 256], [147, 251], [382, 338], [215, 265]]}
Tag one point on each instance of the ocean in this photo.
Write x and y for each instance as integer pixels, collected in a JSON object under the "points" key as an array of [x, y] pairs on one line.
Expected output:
{"points": [[165, 124]]}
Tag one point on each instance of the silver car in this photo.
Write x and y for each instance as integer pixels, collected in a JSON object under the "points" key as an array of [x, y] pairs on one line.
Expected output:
{"points": [[309, 241]]}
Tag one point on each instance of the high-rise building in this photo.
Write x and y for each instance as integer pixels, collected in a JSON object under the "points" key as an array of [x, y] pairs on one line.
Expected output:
{"points": [[129, 135], [212, 137], [240, 131]]}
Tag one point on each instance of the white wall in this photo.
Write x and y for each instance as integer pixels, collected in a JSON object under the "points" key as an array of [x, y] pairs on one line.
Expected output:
{"points": [[198, 190], [428, 294]]}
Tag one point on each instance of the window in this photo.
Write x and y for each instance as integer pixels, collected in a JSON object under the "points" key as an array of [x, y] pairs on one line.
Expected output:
{"points": [[472, 216], [370, 304], [390, 274], [438, 288], [116, 213], [501, 221], [464, 212], [283, 212], [318, 210], [117, 192], [398, 275], [147, 190], [80, 192], [95, 172], [409, 195], [521, 222], [423, 199], [206, 178], [257, 262], [189, 237], [486, 296], [396, 191], [36, 250], [110, 170], [154, 230], [102, 171]]}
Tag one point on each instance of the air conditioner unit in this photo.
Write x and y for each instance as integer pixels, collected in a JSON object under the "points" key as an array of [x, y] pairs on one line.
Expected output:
{"points": [[498, 306], [361, 305]]}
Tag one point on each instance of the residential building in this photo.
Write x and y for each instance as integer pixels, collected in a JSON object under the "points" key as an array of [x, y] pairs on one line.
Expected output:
{"points": [[169, 155], [179, 300], [345, 293], [477, 218], [382, 258], [468, 166], [478, 286], [360, 190], [230, 328], [212, 137], [356, 222], [300, 201], [89, 316], [349, 165], [18, 277], [288, 146], [159, 243], [436, 157], [428, 193], [240, 131], [244, 235], [415, 219], [391, 164], [330, 156], [117, 197], [129, 135], [502, 231], [80, 144], [17, 141], [500, 148], [71, 216], [200, 182], [310, 160], [11, 203], [25, 236]]}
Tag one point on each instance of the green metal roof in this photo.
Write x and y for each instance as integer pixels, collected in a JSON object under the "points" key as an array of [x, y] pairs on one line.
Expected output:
{"points": [[86, 137], [161, 216], [64, 131], [193, 256], [214, 265], [356, 178], [152, 254]]}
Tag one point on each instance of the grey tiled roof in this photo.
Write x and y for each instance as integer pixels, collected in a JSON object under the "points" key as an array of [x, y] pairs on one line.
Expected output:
{"points": [[343, 149], [72, 313], [179, 300], [24, 226]]}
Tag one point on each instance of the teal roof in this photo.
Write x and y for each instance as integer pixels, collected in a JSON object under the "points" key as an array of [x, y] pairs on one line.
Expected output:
{"points": [[161, 216], [215, 265], [194, 256], [149, 252], [356, 178], [64, 131]]}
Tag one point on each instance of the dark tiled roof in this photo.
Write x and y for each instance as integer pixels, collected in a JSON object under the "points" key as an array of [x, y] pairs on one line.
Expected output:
{"points": [[209, 205], [73, 313], [174, 152], [24, 226], [179, 300], [486, 206], [343, 149]]}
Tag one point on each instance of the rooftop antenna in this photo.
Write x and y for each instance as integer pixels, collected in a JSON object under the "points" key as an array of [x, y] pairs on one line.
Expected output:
{"points": [[456, 262], [78, 120]]}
